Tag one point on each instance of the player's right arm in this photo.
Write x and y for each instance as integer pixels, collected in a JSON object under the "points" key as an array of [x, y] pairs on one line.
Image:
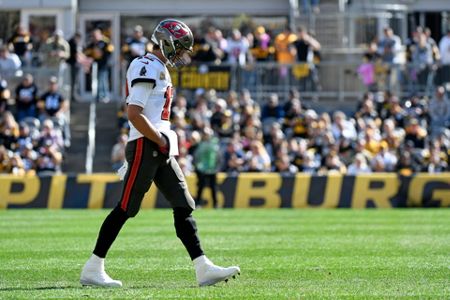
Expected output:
{"points": [[138, 93]]}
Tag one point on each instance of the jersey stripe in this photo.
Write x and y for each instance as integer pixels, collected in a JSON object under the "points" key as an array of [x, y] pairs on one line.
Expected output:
{"points": [[133, 173]]}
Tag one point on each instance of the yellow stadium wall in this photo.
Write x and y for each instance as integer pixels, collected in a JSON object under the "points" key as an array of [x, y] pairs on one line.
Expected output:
{"points": [[263, 190]]}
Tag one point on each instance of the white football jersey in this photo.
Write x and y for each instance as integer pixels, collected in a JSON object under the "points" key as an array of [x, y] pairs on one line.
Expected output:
{"points": [[156, 102]]}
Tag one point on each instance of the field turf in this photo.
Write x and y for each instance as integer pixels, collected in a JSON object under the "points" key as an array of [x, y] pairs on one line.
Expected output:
{"points": [[283, 254]]}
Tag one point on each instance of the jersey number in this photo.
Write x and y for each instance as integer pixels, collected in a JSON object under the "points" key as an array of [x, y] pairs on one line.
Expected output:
{"points": [[165, 114]]}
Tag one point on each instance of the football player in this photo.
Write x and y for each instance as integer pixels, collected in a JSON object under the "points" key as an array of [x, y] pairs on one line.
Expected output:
{"points": [[150, 156]]}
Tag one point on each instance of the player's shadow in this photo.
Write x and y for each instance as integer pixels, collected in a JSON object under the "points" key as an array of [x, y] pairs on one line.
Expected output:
{"points": [[39, 288]]}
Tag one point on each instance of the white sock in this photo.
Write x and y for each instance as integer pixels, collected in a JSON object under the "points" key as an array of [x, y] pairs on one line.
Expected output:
{"points": [[94, 260], [201, 260]]}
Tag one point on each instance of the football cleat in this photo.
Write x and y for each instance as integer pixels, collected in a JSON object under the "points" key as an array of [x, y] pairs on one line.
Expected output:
{"points": [[93, 274], [209, 274]]}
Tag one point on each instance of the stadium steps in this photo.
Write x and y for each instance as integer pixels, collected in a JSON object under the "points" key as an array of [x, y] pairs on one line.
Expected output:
{"points": [[75, 157], [106, 136]]}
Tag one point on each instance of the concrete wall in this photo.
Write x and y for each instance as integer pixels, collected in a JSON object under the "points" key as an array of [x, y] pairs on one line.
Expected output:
{"points": [[183, 8], [410, 5], [23, 4]]}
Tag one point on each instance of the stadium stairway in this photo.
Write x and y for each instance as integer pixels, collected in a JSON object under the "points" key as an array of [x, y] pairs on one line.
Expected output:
{"points": [[106, 136], [75, 156]]}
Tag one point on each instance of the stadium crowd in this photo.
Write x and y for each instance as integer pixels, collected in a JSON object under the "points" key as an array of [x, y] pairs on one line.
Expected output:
{"points": [[34, 131], [384, 134]]}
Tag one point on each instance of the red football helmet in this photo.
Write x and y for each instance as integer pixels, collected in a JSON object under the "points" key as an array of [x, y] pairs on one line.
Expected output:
{"points": [[174, 38]]}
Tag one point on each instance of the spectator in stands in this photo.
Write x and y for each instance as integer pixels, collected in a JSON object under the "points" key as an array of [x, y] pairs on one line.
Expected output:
{"points": [[405, 165], [220, 39], [5, 95], [135, 45], [205, 53], [304, 48], [284, 166], [367, 109], [293, 96], [26, 98], [50, 135], [272, 110], [22, 44], [180, 104], [391, 135], [52, 104], [118, 152], [366, 71], [309, 164], [422, 60], [275, 141], [100, 50], [122, 119], [237, 48], [5, 160], [29, 157], [200, 115], [17, 165], [217, 115], [385, 160], [416, 134], [439, 111], [74, 61], [233, 158], [284, 53], [359, 165], [436, 163], [416, 107], [24, 137], [444, 48], [49, 160], [342, 128], [396, 112], [431, 41], [295, 120], [216, 45], [261, 49], [207, 164], [258, 158], [389, 46], [9, 62], [333, 163], [9, 131], [56, 51]]}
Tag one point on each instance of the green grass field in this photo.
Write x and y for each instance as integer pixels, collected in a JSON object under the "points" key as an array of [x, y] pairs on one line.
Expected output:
{"points": [[283, 254]]}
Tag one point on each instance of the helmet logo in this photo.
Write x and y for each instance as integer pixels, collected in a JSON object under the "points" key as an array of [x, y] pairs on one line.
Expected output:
{"points": [[175, 29]]}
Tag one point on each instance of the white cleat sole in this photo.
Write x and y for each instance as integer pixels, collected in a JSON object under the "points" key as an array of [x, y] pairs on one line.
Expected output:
{"points": [[225, 278], [85, 282]]}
